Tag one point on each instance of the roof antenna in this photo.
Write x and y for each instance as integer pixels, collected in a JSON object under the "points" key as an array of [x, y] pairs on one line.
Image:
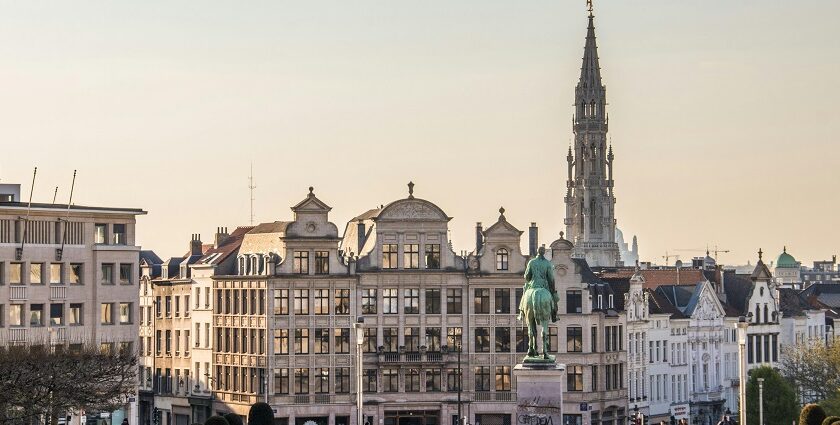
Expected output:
{"points": [[55, 194], [59, 252], [19, 251], [251, 188]]}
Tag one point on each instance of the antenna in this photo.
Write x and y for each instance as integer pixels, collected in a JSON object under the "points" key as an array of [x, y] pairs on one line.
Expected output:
{"points": [[55, 194], [60, 251], [251, 188], [19, 251]]}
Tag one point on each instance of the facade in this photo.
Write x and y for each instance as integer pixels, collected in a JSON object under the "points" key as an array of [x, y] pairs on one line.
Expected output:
{"points": [[590, 202], [71, 275], [825, 271]]}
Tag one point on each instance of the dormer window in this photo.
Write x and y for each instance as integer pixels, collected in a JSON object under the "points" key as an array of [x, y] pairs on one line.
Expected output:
{"points": [[253, 265], [610, 301], [301, 262], [242, 266], [502, 259]]}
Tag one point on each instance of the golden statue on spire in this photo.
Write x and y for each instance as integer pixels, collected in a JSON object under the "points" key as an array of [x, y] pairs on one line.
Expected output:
{"points": [[589, 6]]}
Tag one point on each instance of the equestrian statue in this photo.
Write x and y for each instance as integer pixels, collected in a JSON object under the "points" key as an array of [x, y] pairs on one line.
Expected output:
{"points": [[538, 306]]}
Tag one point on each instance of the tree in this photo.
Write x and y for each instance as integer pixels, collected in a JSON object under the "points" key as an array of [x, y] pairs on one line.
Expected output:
{"points": [[261, 414], [812, 414], [813, 368], [39, 382], [780, 406]]}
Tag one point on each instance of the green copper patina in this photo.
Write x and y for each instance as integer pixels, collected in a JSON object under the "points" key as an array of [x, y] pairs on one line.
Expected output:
{"points": [[539, 305]]}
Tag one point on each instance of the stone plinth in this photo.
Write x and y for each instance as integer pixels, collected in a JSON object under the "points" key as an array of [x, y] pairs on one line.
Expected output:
{"points": [[539, 390]]}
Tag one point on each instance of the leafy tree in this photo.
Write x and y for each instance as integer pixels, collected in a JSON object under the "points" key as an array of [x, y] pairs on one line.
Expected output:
{"points": [[234, 419], [813, 368], [216, 420], [780, 406], [261, 414], [812, 414]]}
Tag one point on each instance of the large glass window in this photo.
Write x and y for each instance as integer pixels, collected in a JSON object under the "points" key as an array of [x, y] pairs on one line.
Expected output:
{"points": [[107, 314], [301, 301], [453, 338], [125, 274], [342, 340], [482, 378], [100, 233], [301, 262], [453, 379], [411, 301], [322, 262], [56, 314], [502, 378], [281, 301], [75, 316], [574, 378], [35, 277], [453, 301], [301, 341], [281, 341], [503, 340], [301, 380], [521, 340], [433, 339], [370, 381], [55, 273], [281, 381], [432, 301], [389, 301], [16, 315], [432, 256], [369, 342], [15, 273], [412, 380], [74, 274], [574, 339], [389, 256], [36, 315], [119, 235], [482, 301], [411, 256], [107, 274], [482, 340], [502, 259], [342, 380], [322, 341], [342, 301], [390, 380], [322, 380], [322, 301], [368, 301], [125, 313], [574, 303], [502, 298], [412, 339], [433, 380], [390, 340]]}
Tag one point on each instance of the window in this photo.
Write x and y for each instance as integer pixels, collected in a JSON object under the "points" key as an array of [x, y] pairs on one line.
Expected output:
{"points": [[119, 236], [390, 380], [594, 378], [412, 380], [281, 301], [433, 380], [16, 315], [107, 314], [432, 256], [35, 277], [574, 378], [301, 301], [75, 317], [322, 341], [594, 339], [412, 340], [502, 378], [342, 380], [281, 341], [107, 274], [518, 295], [521, 340], [502, 259], [574, 339], [322, 262], [301, 380], [389, 256], [502, 340], [177, 306], [482, 378], [502, 296], [125, 313], [168, 306], [389, 299], [301, 262], [369, 342], [186, 306], [322, 380], [342, 340], [389, 340], [411, 301], [433, 339], [15, 273], [453, 379], [281, 381], [482, 301], [100, 233], [433, 301], [369, 381], [125, 274], [55, 273], [411, 258], [453, 338], [482, 340], [36, 315], [301, 341], [453, 301], [322, 301], [574, 302], [368, 301], [342, 301]]}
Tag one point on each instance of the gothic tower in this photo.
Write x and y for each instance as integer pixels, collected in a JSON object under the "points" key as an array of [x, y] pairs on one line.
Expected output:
{"points": [[590, 203]]}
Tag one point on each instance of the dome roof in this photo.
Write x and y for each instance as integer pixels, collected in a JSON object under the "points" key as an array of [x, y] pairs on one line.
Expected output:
{"points": [[786, 261]]}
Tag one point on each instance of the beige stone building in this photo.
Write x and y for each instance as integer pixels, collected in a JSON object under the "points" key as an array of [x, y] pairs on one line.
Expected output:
{"points": [[68, 276]]}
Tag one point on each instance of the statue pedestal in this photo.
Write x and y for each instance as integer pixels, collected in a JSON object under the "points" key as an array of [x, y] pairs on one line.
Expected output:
{"points": [[539, 390]]}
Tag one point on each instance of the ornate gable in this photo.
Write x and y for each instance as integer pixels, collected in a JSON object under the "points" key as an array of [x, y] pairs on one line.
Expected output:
{"points": [[311, 204], [707, 306], [412, 209], [502, 227]]}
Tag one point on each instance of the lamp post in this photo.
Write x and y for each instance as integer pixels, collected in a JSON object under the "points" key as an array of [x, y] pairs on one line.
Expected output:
{"points": [[760, 401], [360, 340], [742, 370]]}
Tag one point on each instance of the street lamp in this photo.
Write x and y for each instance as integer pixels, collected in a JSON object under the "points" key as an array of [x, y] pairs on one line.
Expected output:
{"points": [[360, 340], [742, 370], [760, 401]]}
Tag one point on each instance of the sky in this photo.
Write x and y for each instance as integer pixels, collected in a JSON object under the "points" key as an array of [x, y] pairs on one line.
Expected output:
{"points": [[723, 114]]}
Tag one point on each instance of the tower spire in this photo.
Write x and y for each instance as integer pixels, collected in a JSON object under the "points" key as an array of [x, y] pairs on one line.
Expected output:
{"points": [[590, 71]]}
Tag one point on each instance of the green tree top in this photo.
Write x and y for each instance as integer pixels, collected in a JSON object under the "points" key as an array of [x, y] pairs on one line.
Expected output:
{"points": [[780, 405]]}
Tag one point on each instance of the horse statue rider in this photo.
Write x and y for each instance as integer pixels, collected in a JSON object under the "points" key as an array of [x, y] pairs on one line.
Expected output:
{"points": [[539, 302]]}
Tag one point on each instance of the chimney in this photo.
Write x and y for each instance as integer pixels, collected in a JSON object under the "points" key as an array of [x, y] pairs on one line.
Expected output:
{"points": [[195, 244], [360, 235], [532, 240], [479, 238], [221, 236]]}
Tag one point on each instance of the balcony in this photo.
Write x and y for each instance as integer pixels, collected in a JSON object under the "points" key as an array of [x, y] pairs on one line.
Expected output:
{"points": [[17, 334], [17, 293], [415, 358], [494, 396], [58, 292]]}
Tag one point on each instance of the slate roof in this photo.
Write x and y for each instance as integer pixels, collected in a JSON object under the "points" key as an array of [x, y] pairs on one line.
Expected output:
{"points": [[227, 247], [273, 227], [658, 304], [367, 214], [738, 288], [791, 303]]}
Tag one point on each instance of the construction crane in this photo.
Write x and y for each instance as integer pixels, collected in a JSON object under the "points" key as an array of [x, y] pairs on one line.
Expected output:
{"points": [[668, 257], [717, 251]]}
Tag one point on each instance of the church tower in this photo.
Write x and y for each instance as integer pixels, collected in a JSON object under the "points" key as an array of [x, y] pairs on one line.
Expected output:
{"points": [[590, 203]]}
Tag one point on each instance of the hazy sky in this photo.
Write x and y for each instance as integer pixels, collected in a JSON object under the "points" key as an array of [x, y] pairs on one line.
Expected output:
{"points": [[723, 114]]}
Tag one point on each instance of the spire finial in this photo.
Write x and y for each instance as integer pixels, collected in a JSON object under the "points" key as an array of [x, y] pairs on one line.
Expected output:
{"points": [[501, 212], [760, 253], [311, 190], [589, 7], [784, 249], [562, 234], [410, 190]]}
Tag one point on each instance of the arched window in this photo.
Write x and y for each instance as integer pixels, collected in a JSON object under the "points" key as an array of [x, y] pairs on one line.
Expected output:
{"points": [[242, 266], [253, 268], [757, 313], [502, 259]]}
